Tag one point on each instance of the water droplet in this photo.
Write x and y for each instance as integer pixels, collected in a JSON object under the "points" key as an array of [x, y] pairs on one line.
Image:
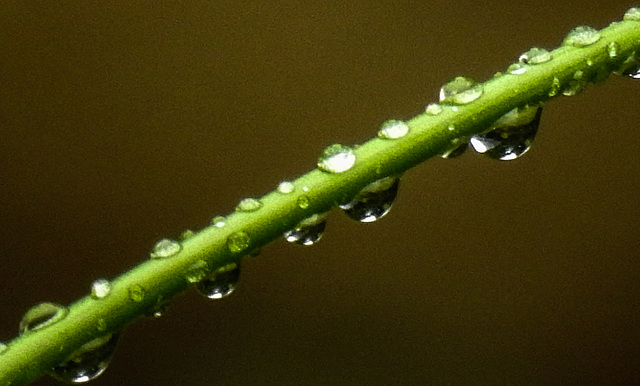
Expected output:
{"points": [[511, 136], [460, 91], [218, 221], [517, 69], [88, 362], [582, 36], [303, 202], [337, 159], [100, 289], [634, 73], [41, 316], [165, 248], [3, 348], [555, 87], [286, 187], [248, 205], [220, 283], [456, 150], [574, 87], [373, 201], [197, 271], [613, 49], [238, 242], [137, 293], [433, 109], [535, 56], [308, 231], [393, 130], [630, 67], [632, 14], [187, 235]]}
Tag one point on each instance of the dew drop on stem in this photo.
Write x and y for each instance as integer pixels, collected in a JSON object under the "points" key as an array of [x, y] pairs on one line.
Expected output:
{"points": [[308, 231], [393, 129], [433, 109], [336, 159], [165, 248], [582, 36], [248, 205], [100, 289], [220, 283], [41, 316], [88, 362], [632, 14], [286, 187], [535, 56], [374, 201], [218, 221], [460, 91]]}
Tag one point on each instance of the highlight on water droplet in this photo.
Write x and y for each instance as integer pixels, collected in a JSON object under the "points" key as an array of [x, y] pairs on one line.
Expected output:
{"points": [[516, 69], [433, 109], [248, 205], [137, 293], [582, 36], [238, 242], [220, 283], [511, 136], [100, 289], [308, 231], [336, 159], [41, 316], [632, 14], [88, 362], [374, 201], [535, 55], [165, 248], [460, 91], [393, 129], [218, 221], [286, 187]]}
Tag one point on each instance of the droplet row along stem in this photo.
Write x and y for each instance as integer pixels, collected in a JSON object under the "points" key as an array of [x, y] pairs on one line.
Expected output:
{"points": [[160, 279]]}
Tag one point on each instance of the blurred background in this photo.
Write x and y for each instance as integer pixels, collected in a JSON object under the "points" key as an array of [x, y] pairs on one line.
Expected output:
{"points": [[125, 123]]}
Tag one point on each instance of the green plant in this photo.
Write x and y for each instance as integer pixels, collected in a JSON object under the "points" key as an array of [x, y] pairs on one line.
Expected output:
{"points": [[210, 248]]}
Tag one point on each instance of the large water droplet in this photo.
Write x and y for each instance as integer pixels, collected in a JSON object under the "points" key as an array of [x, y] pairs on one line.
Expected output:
{"points": [[393, 130], [632, 14], [308, 231], [336, 159], [88, 362], [137, 293], [511, 136], [286, 187], [238, 242], [248, 205], [582, 36], [460, 91], [220, 283], [535, 56], [218, 221], [100, 289], [433, 109], [373, 201], [41, 316], [165, 248]]}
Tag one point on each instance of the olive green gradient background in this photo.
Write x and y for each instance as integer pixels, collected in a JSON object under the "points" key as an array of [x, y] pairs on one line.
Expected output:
{"points": [[122, 124]]}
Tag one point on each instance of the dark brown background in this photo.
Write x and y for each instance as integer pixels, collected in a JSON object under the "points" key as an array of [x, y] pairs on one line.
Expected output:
{"points": [[121, 124]]}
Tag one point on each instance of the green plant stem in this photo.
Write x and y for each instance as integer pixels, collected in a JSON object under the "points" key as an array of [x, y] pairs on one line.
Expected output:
{"points": [[31, 355]]}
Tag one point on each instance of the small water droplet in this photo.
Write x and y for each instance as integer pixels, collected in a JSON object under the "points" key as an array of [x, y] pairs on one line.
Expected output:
{"points": [[137, 293], [220, 283], [456, 150], [517, 69], [555, 87], [460, 91], [238, 242], [248, 205], [535, 56], [373, 201], [574, 87], [88, 362], [613, 49], [433, 109], [511, 137], [393, 130], [197, 271], [41, 316], [286, 187], [3, 348], [582, 36], [218, 221], [165, 248], [186, 235], [308, 231], [303, 202], [100, 289], [632, 14], [336, 159]]}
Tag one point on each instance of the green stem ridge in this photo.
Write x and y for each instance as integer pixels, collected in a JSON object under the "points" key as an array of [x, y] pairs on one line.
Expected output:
{"points": [[29, 356]]}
